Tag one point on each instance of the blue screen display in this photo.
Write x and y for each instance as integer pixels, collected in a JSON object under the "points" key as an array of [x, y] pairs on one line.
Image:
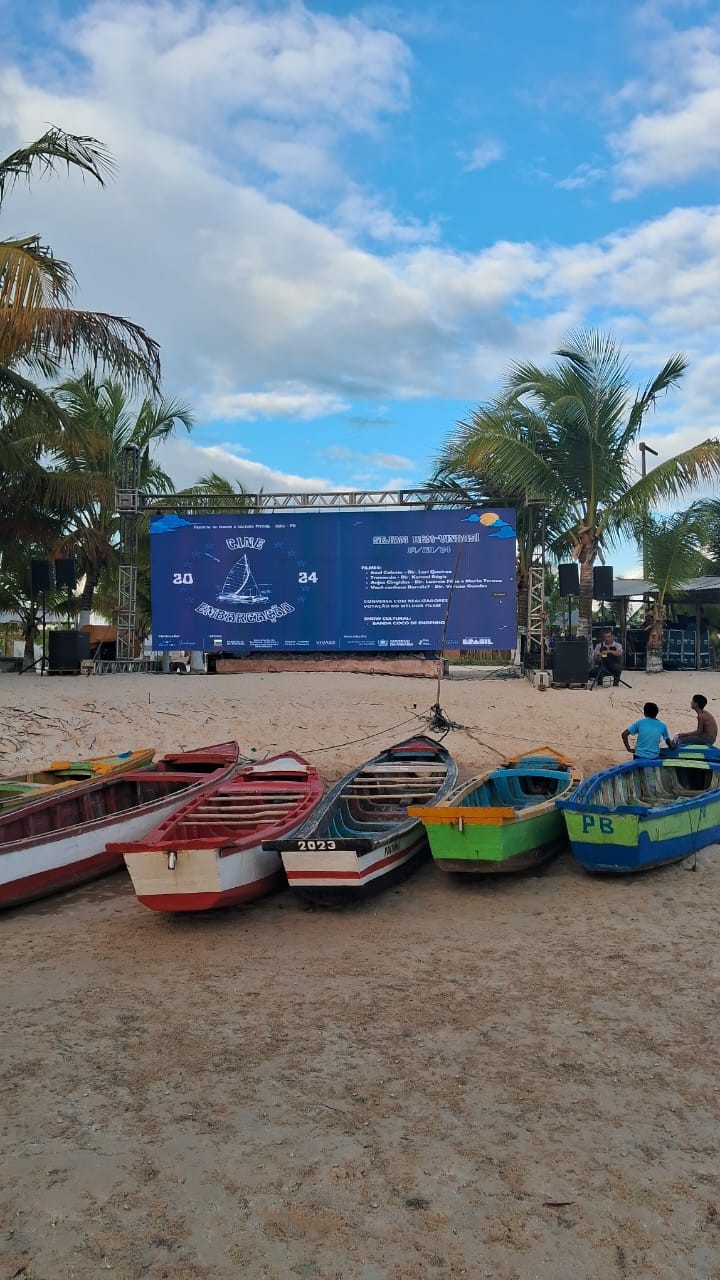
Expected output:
{"points": [[334, 581]]}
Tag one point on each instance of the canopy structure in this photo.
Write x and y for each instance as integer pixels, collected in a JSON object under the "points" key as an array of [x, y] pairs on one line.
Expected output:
{"points": [[694, 591], [704, 590]]}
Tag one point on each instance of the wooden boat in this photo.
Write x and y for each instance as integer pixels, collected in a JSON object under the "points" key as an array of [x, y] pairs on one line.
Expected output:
{"points": [[22, 788], [211, 854], [645, 813], [505, 819], [59, 840], [361, 838]]}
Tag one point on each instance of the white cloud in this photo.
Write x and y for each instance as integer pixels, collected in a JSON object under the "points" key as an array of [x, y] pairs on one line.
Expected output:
{"points": [[675, 136], [248, 406], [583, 176], [185, 463], [484, 154], [263, 311], [361, 215], [383, 461], [183, 65]]}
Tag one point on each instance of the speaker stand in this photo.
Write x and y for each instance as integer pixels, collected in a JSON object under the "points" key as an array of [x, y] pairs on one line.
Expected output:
{"points": [[42, 659]]}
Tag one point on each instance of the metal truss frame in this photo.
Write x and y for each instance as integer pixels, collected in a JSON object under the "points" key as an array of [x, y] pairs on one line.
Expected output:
{"points": [[129, 502], [536, 585], [198, 503]]}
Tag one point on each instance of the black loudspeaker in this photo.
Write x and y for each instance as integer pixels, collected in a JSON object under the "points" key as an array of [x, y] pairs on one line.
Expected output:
{"points": [[40, 576], [569, 576], [602, 582], [66, 650], [65, 575], [570, 664]]}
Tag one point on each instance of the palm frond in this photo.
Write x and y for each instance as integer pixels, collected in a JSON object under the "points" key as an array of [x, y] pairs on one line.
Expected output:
{"points": [[65, 334], [56, 148], [31, 277], [674, 478], [672, 548], [668, 377]]}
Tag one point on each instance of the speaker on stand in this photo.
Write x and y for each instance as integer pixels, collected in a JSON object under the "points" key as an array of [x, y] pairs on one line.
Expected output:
{"points": [[569, 579], [65, 576], [40, 576], [569, 585], [603, 582]]}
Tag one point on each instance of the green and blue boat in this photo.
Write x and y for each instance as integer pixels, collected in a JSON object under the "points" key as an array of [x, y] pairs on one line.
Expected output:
{"points": [[503, 820], [646, 813]]}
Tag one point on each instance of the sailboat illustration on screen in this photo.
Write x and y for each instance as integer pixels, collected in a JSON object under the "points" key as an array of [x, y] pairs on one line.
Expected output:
{"points": [[240, 586]]}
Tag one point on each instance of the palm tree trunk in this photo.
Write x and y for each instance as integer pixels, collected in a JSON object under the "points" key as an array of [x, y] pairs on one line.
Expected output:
{"points": [[585, 600], [85, 603], [653, 662], [29, 626]]}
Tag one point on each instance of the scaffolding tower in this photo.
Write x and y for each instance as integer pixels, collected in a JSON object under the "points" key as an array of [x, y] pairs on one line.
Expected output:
{"points": [[129, 502], [536, 582]]}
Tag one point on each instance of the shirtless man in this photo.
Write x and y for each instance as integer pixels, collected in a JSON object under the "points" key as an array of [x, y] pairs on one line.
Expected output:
{"points": [[707, 729]]}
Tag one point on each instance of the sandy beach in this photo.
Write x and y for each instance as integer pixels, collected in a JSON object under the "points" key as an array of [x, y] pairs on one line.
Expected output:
{"points": [[513, 1079]]}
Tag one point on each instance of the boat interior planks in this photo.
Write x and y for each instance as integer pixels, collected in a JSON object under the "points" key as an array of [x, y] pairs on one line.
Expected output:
{"points": [[504, 820], [645, 813], [211, 853], [65, 838], [362, 837]]}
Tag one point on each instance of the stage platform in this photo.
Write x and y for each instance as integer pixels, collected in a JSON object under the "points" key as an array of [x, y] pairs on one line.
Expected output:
{"points": [[372, 664]]}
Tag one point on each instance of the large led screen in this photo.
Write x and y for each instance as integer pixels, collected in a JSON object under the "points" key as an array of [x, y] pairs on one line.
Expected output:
{"points": [[334, 581]]}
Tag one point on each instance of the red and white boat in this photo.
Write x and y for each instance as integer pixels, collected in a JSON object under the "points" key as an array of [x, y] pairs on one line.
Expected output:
{"points": [[361, 838], [60, 840], [210, 853]]}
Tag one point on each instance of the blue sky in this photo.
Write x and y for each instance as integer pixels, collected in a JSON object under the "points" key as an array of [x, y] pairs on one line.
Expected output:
{"points": [[344, 222]]}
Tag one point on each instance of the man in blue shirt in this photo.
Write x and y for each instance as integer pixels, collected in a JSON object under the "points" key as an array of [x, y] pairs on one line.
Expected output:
{"points": [[649, 733]]}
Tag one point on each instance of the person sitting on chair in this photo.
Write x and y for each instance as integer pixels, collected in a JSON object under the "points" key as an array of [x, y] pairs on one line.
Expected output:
{"points": [[607, 658], [707, 729]]}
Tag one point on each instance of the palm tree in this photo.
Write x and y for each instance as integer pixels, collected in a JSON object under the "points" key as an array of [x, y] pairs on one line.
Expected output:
{"points": [[40, 333], [39, 330], [565, 437], [675, 551], [86, 462], [16, 594], [215, 485]]}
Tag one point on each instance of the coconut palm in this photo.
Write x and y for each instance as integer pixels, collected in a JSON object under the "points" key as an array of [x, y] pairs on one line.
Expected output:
{"points": [[566, 437], [87, 463], [40, 333], [214, 485], [16, 594], [674, 551]]}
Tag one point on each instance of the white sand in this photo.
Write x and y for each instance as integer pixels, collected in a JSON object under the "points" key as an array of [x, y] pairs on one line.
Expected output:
{"points": [[459, 1078]]}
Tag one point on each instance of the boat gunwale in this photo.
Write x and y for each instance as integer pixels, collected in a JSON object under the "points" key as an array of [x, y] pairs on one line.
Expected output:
{"points": [[225, 845], [68, 787], [41, 839], [367, 841], [447, 811], [580, 802]]}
